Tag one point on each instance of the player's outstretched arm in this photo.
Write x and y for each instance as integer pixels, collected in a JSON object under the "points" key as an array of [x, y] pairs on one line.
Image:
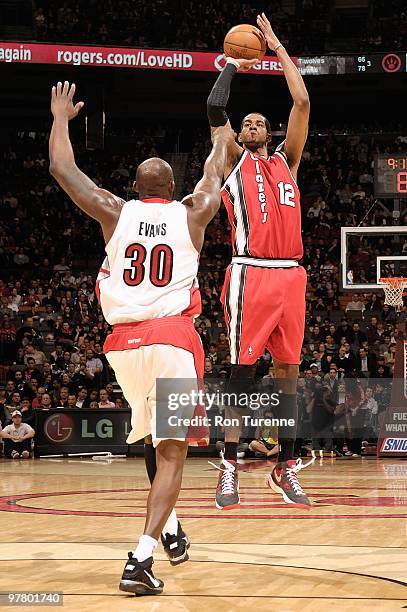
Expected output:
{"points": [[204, 202], [217, 102], [97, 203], [297, 129]]}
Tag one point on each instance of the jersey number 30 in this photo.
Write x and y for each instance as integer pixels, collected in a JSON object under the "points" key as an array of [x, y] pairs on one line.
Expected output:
{"points": [[287, 194], [161, 263]]}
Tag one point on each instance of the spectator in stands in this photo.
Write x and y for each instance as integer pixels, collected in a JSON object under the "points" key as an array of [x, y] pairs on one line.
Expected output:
{"points": [[71, 401], [104, 401], [17, 437], [15, 402], [119, 402], [366, 363], [36, 402], [93, 364], [62, 400], [31, 371], [27, 412], [27, 333], [82, 397], [344, 361], [31, 351], [46, 401]]}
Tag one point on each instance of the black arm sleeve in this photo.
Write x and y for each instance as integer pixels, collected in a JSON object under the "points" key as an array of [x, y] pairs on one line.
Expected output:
{"points": [[219, 96]]}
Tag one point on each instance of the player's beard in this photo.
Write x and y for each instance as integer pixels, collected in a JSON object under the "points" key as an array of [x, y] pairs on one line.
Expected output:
{"points": [[254, 145]]}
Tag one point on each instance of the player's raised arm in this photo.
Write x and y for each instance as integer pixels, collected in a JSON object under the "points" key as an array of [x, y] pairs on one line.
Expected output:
{"points": [[204, 202], [97, 203], [297, 129], [217, 102]]}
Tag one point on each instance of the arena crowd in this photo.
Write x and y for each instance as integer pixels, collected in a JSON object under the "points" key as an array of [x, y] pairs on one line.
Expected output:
{"points": [[306, 26], [52, 330]]}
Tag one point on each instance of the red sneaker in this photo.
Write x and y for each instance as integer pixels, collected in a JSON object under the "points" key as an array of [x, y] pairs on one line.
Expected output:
{"points": [[283, 479]]}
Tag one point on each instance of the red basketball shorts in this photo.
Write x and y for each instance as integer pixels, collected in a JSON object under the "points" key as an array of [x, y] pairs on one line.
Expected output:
{"points": [[264, 308]]}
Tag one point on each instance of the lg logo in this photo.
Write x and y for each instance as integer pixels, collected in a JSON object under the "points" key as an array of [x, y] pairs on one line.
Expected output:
{"points": [[58, 428]]}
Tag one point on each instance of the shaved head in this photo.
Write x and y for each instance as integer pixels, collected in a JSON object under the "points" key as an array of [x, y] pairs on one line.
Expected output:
{"points": [[155, 178]]}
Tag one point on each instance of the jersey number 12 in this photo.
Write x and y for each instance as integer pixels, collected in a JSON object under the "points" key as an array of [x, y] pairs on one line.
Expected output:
{"points": [[287, 194]]}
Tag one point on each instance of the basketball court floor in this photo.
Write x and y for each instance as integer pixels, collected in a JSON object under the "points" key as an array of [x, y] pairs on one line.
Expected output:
{"points": [[66, 525]]}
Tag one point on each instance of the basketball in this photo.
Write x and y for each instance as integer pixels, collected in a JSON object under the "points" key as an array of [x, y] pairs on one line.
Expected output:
{"points": [[244, 41]]}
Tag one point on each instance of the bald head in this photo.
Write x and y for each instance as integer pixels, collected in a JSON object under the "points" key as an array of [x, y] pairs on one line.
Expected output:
{"points": [[155, 178]]}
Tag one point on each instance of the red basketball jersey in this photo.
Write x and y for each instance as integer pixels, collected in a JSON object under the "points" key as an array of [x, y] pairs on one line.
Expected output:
{"points": [[263, 205]]}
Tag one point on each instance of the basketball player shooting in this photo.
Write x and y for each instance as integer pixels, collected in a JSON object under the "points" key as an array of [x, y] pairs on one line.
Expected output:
{"points": [[264, 290], [148, 291]]}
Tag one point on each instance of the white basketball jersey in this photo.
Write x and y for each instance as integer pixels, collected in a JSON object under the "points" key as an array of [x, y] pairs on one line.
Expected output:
{"points": [[151, 264]]}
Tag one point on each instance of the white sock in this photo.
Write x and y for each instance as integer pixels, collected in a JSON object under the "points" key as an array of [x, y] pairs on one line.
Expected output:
{"points": [[171, 526], [145, 548]]}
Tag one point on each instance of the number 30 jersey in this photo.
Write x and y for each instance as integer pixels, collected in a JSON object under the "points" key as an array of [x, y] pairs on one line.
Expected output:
{"points": [[151, 264], [263, 205]]}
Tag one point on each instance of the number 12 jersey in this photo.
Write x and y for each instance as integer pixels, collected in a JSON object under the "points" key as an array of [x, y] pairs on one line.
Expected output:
{"points": [[263, 205]]}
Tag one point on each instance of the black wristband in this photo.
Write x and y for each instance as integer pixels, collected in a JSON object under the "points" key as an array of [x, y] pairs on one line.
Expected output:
{"points": [[219, 96]]}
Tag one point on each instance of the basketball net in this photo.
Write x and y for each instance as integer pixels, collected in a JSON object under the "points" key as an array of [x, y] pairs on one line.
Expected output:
{"points": [[393, 291]]}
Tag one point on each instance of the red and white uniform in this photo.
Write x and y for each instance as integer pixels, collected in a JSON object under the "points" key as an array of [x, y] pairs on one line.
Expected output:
{"points": [[264, 290], [148, 291]]}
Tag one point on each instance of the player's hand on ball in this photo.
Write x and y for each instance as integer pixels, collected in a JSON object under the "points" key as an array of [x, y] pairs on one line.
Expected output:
{"points": [[62, 101], [265, 27], [246, 64]]}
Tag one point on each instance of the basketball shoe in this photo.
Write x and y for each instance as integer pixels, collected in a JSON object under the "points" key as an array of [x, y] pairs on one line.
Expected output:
{"points": [[283, 479], [138, 577], [227, 491], [176, 546]]}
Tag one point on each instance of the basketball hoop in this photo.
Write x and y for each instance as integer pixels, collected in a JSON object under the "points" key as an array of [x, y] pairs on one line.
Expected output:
{"points": [[393, 291]]}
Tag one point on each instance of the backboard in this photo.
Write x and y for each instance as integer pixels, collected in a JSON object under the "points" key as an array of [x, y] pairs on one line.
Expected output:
{"points": [[371, 253]]}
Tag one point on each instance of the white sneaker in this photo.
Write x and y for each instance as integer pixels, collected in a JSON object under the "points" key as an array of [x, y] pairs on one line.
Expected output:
{"points": [[25, 454], [15, 455]]}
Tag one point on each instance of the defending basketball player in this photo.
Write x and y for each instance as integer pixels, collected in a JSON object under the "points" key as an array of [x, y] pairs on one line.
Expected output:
{"points": [[149, 293], [264, 290]]}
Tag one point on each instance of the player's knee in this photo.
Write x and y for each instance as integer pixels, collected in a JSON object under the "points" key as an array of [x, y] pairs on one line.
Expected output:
{"points": [[285, 370], [171, 451]]}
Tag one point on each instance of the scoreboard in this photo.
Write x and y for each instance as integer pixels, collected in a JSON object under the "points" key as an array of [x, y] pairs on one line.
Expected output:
{"points": [[372, 63], [390, 175]]}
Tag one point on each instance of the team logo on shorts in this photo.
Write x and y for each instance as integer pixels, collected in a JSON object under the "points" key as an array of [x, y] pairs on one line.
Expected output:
{"points": [[250, 351]]}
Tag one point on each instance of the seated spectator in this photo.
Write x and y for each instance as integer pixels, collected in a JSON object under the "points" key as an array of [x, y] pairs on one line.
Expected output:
{"points": [[27, 411], [390, 355], [31, 351], [36, 402], [17, 437], [27, 333], [356, 303], [94, 405], [31, 371], [344, 361], [81, 402], [14, 403], [222, 346], [208, 368], [93, 364], [46, 402], [358, 335], [366, 363], [71, 401], [104, 401], [62, 400], [265, 443], [119, 402]]}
